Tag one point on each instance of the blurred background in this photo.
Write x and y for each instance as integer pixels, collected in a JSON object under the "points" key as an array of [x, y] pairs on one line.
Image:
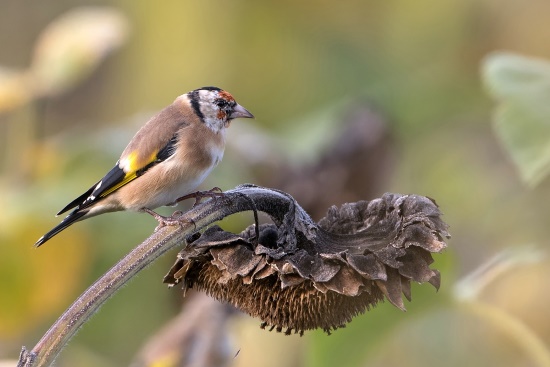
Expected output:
{"points": [[352, 99]]}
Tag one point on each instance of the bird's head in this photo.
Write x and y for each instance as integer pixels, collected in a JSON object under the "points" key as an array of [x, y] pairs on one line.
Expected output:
{"points": [[216, 107]]}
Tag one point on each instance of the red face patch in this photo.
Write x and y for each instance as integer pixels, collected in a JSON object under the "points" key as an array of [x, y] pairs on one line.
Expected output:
{"points": [[221, 115], [228, 97]]}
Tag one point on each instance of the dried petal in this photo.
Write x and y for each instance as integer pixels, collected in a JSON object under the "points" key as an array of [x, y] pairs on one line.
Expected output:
{"points": [[368, 266]]}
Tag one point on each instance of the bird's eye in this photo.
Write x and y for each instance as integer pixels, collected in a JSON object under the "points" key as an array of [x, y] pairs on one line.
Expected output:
{"points": [[221, 103]]}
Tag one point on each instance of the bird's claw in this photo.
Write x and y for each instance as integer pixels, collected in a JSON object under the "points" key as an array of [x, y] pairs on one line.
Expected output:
{"points": [[176, 218], [173, 220], [213, 193]]}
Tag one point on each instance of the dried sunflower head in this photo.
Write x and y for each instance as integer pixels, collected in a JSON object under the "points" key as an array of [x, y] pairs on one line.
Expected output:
{"points": [[296, 275]]}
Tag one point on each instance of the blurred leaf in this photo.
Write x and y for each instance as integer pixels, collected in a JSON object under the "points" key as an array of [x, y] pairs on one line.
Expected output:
{"points": [[13, 89], [521, 85], [73, 45]]}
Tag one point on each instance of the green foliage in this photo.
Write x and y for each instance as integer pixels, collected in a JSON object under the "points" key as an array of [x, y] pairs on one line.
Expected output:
{"points": [[521, 85]]}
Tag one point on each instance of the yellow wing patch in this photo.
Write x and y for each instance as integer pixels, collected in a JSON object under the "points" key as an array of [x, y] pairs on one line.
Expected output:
{"points": [[130, 165]]}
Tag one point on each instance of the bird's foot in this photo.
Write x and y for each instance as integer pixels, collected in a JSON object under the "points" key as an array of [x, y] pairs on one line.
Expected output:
{"points": [[213, 193], [173, 220]]}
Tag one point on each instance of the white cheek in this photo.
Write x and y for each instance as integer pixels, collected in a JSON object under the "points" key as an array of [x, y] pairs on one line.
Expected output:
{"points": [[214, 124]]}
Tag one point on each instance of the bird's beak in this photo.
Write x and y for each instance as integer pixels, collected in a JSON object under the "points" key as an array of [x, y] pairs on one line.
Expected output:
{"points": [[240, 111]]}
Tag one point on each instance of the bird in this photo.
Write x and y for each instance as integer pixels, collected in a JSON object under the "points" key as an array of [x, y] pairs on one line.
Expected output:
{"points": [[166, 160]]}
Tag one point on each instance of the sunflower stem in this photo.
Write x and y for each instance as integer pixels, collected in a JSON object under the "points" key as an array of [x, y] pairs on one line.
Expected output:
{"points": [[233, 201]]}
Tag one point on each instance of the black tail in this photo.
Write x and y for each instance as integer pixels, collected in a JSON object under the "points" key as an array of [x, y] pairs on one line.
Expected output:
{"points": [[69, 219]]}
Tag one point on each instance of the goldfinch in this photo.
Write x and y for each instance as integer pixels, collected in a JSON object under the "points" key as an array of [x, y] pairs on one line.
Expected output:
{"points": [[167, 158]]}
